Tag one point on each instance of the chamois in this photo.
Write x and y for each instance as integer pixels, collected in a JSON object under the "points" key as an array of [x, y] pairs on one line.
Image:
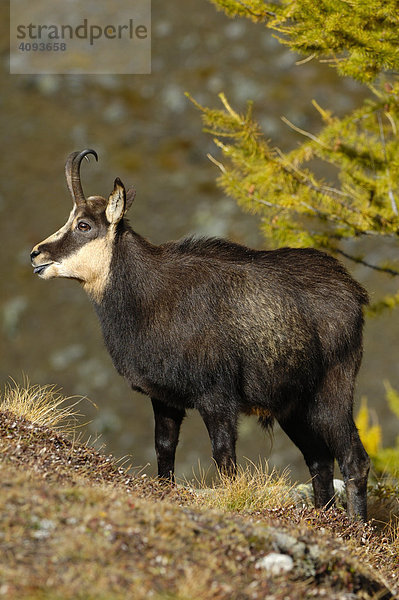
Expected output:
{"points": [[219, 327]]}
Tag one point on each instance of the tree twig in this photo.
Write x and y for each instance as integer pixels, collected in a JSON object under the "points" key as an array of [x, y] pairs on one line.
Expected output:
{"points": [[303, 132], [361, 261], [390, 191], [267, 13]]}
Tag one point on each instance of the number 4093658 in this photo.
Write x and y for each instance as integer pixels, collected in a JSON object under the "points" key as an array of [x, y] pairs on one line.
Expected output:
{"points": [[42, 47]]}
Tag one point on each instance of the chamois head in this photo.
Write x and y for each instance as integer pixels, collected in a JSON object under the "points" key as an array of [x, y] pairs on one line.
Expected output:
{"points": [[82, 248]]}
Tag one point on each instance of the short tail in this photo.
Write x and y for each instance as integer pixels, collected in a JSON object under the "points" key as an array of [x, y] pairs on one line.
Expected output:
{"points": [[267, 422]]}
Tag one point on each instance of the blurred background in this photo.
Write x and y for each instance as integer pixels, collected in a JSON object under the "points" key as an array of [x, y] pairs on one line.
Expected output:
{"points": [[149, 134]]}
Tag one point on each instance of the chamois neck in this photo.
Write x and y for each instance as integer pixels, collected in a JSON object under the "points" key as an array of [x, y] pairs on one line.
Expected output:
{"points": [[135, 271], [134, 252]]}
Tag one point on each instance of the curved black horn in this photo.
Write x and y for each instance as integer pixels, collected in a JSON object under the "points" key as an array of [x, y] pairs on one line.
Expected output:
{"points": [[72, 173]]}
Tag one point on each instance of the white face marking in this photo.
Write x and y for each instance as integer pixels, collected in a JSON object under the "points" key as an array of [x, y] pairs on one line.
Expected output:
{"points": [[90, 264]]}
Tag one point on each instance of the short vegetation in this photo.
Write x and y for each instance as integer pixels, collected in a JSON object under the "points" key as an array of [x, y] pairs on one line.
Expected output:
{"points": [[75, 524]]}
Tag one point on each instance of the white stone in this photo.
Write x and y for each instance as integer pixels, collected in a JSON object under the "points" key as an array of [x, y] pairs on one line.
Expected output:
{"points": [[275, 563]]}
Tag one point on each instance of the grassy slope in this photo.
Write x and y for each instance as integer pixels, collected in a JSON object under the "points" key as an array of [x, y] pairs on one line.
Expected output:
{"points": [[75, 525]]}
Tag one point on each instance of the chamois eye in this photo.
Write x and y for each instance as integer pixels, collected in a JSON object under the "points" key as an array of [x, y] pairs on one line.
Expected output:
{"points": [[82, 226]]}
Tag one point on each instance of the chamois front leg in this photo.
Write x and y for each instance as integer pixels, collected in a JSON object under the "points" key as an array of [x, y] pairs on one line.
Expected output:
{"points": [[222, 429], [167, 427]]}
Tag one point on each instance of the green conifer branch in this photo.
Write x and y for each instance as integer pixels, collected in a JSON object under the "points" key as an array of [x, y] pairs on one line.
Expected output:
{"points": [[262, 178], [360, 38]]}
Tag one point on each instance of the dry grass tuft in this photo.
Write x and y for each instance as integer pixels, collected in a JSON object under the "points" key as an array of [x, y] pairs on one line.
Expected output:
{"points": [[42, 405], [392, 532], [254, 488]]}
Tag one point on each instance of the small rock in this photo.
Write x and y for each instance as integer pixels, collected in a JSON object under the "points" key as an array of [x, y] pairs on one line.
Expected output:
{"points": [[275, 563], [339, 487], [287, 543], [43, 527], [314, 552]]}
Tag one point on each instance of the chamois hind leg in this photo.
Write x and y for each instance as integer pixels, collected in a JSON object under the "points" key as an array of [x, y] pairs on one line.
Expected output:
{"points": [[167, 428], [354, 464], [318, 457], [333, 416]]}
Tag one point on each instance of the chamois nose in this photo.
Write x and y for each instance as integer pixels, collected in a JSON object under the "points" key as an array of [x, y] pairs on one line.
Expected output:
{"points": [[34, 253]]}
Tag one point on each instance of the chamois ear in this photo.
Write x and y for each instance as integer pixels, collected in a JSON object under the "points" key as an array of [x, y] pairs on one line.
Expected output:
{"points": [[130, 196], [116, 203]]}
